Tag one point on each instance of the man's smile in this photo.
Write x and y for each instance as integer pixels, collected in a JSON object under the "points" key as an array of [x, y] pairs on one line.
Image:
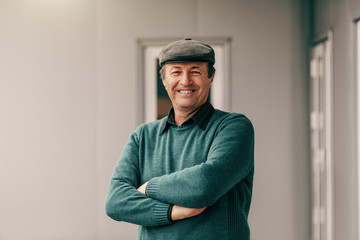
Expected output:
{"points": [[186, 91]]}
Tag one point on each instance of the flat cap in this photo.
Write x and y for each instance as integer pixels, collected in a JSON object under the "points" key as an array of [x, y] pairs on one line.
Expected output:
{"points": [[186, 50]]}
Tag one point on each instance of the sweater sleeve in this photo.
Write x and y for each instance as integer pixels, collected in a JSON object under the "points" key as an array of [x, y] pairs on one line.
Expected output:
{"points": [[230, 160], [123, 201]]}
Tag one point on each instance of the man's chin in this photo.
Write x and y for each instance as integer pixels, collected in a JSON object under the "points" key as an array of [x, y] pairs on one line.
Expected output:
{"points": [[186, 104], [188, 107]]}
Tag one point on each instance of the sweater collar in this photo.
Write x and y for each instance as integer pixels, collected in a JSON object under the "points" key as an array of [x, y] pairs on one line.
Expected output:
{"points": [[201, 117]]}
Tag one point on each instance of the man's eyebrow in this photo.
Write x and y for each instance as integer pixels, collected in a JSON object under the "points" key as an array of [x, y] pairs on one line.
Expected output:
{"points": [[172, 67], [195, 67]]}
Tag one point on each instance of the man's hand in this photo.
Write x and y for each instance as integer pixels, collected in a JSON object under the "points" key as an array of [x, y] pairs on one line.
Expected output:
{"points": [[179, 212], [142, 188]]}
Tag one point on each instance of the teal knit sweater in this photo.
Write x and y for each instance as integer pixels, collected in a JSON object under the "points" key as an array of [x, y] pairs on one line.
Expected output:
{"points": [[191, 167]]}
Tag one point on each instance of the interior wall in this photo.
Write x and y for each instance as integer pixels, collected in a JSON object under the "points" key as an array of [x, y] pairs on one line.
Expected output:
{"points": [[68, 97], [47, 120], [338, 16]]}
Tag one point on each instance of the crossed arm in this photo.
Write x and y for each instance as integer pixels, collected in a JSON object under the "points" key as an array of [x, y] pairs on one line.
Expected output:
{"points": [[178, 212], [230, 160], [125, 203]]}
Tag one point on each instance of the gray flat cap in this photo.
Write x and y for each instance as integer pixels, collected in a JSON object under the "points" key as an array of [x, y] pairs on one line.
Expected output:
{"points": [[186, 50]]}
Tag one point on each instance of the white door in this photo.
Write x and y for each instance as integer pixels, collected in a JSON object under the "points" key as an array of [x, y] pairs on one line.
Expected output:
{"points": [[321, 117]]}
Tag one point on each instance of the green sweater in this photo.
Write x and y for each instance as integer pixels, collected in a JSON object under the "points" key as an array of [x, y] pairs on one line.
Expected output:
{"points": [[191, 167]]}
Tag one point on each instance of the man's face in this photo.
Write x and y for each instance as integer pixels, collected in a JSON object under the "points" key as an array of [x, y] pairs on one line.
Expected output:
{"points": [[187, 84]]}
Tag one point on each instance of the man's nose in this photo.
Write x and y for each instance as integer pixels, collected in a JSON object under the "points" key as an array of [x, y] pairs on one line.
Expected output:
{"points": [[185, 79]]}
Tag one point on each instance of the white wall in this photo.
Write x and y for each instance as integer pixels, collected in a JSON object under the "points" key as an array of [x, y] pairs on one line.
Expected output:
{"points": [[47, 119], [68, 93]]}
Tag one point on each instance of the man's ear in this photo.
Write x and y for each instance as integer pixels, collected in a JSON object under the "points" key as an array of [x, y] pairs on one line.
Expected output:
{"points": [[212, 78]]}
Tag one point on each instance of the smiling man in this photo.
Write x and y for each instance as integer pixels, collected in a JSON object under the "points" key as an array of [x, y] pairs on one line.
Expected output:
{"points": [[190, 174]]}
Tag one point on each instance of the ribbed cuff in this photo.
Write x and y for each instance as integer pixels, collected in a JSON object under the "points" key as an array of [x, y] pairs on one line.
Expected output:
{"points": [[152, 188], [160, 214], [169, 212]]}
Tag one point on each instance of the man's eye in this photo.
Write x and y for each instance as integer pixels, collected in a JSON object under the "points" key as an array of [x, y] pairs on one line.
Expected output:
{"points": [[196, 73], [175, 73]]}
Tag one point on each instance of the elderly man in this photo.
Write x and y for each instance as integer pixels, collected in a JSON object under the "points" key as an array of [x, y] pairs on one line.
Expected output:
{"points": [[190, 174]]}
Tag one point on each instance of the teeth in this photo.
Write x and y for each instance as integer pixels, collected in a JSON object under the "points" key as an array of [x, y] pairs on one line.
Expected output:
{"points": [[186, 91]]}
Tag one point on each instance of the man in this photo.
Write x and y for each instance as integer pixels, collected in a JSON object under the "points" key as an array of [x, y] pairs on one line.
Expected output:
{"points": [[190, 174]]}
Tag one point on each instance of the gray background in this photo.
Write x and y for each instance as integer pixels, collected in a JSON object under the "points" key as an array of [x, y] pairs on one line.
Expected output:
{"points": [[68, 97]]}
